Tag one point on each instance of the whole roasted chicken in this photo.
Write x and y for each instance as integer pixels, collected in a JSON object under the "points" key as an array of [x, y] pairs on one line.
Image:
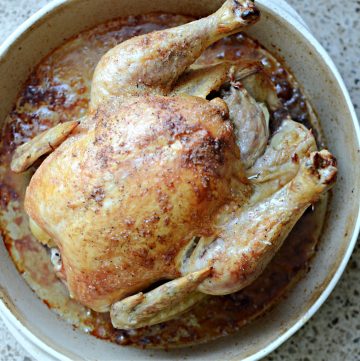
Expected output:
{"points": [[170, 189]]}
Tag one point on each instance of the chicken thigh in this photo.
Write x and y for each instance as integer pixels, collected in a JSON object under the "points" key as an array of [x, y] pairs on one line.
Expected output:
{"points": [[159, 184]]}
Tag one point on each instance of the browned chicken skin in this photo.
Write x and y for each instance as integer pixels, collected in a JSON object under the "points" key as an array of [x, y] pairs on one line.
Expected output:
{"points": [[141, 190], [158, 183]]}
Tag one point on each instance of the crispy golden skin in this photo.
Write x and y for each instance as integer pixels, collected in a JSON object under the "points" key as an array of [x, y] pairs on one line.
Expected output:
{"points": [[123, 198]]}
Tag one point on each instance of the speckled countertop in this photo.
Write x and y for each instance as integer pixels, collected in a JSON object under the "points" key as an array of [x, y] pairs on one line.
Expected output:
{"points": [[334, 332]]}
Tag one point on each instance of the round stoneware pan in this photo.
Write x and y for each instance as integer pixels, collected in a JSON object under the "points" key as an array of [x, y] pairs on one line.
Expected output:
{"points": [[281, 30]]}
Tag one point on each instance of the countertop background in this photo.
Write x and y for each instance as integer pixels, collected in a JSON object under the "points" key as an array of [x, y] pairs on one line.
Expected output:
{"points": [[334, 332]]}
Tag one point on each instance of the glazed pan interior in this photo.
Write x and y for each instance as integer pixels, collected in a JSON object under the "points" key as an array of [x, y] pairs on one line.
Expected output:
{"points": [[321, 88]]}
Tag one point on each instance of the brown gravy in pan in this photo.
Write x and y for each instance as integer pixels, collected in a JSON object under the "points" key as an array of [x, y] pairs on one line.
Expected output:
{"points": [[57, 91]]}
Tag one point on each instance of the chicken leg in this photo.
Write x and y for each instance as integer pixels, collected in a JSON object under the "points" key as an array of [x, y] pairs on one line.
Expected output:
{"points": [[153, 62], [247, 242]]}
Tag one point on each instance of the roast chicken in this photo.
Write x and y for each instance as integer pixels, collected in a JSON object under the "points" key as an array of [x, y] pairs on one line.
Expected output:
{"points": [[164, 193]]}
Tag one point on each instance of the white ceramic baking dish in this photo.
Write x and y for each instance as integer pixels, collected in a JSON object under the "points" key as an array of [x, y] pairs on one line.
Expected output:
{"points": [[283, 32]]}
